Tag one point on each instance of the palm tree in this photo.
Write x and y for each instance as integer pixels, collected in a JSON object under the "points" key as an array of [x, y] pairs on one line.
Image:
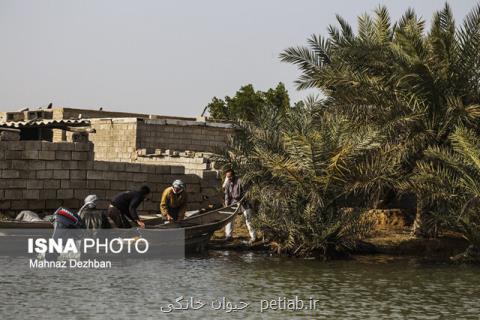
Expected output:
{"points": [[309, 173], [449, 180], [411, 86]]}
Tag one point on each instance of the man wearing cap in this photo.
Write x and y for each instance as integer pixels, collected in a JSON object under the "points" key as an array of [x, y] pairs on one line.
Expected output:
{"points": [[124, 205], [174, 202]]}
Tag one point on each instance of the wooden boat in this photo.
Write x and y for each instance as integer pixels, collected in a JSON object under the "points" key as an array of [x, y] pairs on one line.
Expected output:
{"points": [[12, 224], [197, 228]]}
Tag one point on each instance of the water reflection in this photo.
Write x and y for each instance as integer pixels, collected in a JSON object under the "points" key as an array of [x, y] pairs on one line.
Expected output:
{"points": [[366, 288]]}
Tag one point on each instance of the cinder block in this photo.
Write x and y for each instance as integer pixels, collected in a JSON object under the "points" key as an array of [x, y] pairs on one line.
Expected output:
{"points": [[54, 165], [53, 204], [27, 174], [14, 155], [112, 176], [102, 184], [49, 146], [36, 165], [65, 184], [132, 167], [101, 165], [51, 184], [61, 174], [191, 179], [177, 170], [48, 194], [139, 177], [150, 169], [35, 184], [16, 145], [6, 164], [76, 155], [90, 184], [83, 146], [19, 204], [19, 164], [36, 204], [117, 166], [30, 155], [81, 193], [13, 183], [44, 174], [117, 185], [46, 155], [78, 184], [162, 169], [94, 175], [66, 146], [31, 194], [78, 174], [13, 194], [33, 145], [70, 165], [83, 165], [65, 194], [63, 155], [10, 174]]}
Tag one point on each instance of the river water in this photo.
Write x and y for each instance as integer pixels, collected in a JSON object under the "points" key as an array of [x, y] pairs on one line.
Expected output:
{"points": [[212, 286]]}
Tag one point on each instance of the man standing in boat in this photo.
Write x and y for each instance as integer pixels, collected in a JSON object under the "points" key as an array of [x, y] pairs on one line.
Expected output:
{"points": [[174, 202], [234, 192], [123, 207]]}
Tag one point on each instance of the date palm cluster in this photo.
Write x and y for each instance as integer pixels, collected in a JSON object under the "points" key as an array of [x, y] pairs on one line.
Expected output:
{"points": [[398, 115]]}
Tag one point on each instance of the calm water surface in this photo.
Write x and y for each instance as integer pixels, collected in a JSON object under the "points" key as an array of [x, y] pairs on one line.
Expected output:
{"points": [[363, 289]]}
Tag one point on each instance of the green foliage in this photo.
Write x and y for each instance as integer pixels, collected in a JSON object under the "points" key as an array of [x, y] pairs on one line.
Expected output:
{"points": [[449, 178], [309, 174], [414, 85], [247, 103], [400, 114]]}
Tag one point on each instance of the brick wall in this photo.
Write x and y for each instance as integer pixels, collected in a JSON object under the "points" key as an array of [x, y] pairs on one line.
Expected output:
{"points": [[194, 137], [42, 176], [118, 139], [115, 139]]}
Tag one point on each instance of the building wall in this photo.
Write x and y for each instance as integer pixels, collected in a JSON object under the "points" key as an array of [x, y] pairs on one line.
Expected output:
{"points": [[119, 139], [41, 176], [115, 139], [153, 134]]}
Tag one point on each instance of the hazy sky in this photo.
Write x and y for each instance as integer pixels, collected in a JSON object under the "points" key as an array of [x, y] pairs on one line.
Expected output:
{"points": [[161, 57]]}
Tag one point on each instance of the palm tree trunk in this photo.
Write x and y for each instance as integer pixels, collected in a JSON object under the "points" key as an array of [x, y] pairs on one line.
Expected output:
{"points": [[423, 226]]}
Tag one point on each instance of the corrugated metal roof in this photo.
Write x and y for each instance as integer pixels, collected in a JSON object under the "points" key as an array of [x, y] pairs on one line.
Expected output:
{"points": [[45, 123]]}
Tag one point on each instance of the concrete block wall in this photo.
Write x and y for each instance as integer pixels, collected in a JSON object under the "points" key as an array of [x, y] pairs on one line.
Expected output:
{"points": [[115, 139], [41, 176], [210, 179], [181, 137]]}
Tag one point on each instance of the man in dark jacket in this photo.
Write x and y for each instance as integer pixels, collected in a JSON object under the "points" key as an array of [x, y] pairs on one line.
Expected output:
{"points": [[123, 207]]}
